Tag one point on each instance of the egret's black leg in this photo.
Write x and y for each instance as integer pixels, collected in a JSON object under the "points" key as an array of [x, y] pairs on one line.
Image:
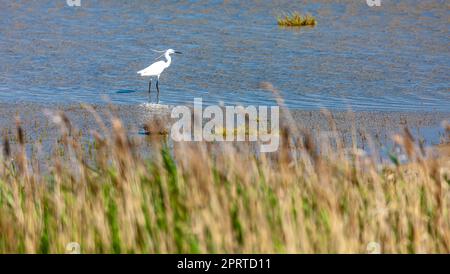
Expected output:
{"points": [[157, 88], [149, 86]]}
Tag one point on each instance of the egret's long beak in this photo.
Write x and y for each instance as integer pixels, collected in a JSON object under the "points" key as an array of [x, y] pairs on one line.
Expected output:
{"points": [[177, 52]]}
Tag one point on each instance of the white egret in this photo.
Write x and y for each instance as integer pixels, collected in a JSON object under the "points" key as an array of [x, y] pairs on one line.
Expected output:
{"points": [[157, 68]]}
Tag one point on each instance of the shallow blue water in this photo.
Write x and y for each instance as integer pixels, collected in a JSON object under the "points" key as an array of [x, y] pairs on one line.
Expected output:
{"points": [[395, 57]]}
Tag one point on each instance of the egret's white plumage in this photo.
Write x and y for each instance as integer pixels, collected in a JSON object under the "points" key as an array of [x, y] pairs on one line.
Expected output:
{"points": [[157, 68]]}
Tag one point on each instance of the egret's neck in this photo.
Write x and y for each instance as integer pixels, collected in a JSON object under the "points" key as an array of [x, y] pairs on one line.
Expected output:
{"points": [[168, 58]]}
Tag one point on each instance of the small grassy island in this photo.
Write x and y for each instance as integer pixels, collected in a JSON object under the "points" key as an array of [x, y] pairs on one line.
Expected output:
{"points": [[295, 19]]}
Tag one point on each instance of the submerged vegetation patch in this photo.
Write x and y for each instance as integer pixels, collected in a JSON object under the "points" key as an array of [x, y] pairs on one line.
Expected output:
{"points": [[295, 19]]}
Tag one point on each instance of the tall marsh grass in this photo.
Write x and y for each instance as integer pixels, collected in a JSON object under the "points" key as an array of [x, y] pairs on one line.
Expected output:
{"points": [[308, 197]]}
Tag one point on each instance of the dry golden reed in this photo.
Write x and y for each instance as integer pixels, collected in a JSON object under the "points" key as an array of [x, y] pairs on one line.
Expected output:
{"points": [[308, 197]]}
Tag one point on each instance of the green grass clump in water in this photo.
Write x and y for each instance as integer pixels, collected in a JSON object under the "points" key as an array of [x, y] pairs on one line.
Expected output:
{"points": [[295, 19]]}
